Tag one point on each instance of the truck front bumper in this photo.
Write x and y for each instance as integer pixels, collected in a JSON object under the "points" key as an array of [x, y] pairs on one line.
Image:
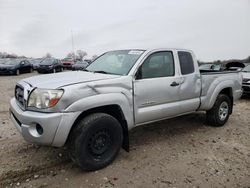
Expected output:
{"points": [[42, 128]]}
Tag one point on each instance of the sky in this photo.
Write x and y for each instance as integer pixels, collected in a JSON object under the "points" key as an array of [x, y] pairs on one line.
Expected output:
{"points": [[213, 29]]}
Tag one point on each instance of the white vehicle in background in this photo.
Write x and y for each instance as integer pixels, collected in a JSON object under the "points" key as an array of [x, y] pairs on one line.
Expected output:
{"points": [[246, 80]]}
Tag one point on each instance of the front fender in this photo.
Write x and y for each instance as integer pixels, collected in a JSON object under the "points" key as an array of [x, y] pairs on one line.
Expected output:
{"points": [[87, 103], [100, 100]]}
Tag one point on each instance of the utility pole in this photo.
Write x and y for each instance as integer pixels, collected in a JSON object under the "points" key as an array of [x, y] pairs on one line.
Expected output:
{"points": [[73, 47]]}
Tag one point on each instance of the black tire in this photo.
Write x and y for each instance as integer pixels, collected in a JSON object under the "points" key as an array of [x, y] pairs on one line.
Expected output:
{"points": [[95, 141], [216, 116]]}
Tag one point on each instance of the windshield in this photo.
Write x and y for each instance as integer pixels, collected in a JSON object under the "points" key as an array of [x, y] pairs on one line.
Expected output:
{"points": [[10, 61], [35, 61], [47, 62], [246, 69], [116, 62]]}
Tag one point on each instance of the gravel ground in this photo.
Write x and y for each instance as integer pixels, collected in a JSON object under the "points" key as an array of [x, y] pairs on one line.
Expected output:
{"points": [[181, 152]]}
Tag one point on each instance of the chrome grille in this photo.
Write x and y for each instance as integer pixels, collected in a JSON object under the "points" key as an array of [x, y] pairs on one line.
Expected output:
{"points": [[246, 80], [19, 95]]}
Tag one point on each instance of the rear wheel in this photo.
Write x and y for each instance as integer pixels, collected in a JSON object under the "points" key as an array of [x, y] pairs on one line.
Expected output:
{"points": [[96, 141], [220, 112], [31, 70]]}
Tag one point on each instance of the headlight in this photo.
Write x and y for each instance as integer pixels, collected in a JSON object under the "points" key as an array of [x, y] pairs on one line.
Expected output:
{"points": [[44, 98]]}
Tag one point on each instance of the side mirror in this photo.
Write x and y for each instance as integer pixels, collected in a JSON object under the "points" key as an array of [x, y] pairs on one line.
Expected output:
{"points": [[22, 63]]}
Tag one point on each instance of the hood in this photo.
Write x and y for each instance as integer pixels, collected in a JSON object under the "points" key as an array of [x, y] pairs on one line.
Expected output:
{"points": [[57, 80], [46, 65], [6, 66]]}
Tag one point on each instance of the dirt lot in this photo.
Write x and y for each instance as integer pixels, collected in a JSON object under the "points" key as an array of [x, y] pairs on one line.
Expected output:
{"points": [[181, 152]]}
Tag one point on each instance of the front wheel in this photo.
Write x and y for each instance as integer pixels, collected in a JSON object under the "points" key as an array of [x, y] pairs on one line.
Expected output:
{"points": [[95, 141], [220, 112]]}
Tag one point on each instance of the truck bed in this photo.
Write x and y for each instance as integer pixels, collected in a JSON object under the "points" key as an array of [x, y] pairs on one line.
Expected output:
{"points": [[211, 80], [217, 71]]}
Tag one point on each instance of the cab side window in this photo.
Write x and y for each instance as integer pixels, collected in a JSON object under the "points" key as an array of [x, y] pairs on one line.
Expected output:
{"points": [[186, 62], [159, 64]]}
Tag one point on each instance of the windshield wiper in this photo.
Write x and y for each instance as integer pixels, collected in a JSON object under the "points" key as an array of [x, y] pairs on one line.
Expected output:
{"points": [[103, 72]]}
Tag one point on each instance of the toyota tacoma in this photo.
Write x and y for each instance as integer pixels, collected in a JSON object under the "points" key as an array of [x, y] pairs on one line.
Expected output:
{"points": [[92, 111]]}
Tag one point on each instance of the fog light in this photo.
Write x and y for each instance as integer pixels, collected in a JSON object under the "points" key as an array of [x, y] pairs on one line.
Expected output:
{"points": [[39, 129]]}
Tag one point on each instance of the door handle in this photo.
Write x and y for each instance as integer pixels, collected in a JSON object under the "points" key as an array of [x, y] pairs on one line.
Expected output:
{"points": [[174, 84]]}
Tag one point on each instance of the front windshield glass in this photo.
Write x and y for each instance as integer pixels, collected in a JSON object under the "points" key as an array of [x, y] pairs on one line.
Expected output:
{"points": [[116, 62], [246, 69], [10, 61], [47, 61], [36, 61]]}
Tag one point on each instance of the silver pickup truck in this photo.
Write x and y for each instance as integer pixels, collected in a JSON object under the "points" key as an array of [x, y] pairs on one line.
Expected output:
{"points": [[92, 111]]}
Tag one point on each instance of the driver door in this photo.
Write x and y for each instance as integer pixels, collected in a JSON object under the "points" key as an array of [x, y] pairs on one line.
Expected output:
{"points": [[156, 88]]}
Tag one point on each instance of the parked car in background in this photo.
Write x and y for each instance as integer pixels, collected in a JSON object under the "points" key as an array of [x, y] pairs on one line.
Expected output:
{"points": [[210, 67], [80, 65], [67, 63], [15, 66], [50, 65], [234, 66], [2, 60], [35, 62], [89, 61], [246, 80], [230, 66]]}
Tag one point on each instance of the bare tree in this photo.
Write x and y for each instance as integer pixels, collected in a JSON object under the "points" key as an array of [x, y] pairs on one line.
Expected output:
{"points": [[13, 55], [94, 57], [248, 60], [71, 55], [3, 54], [48, 55], [81, 54]]}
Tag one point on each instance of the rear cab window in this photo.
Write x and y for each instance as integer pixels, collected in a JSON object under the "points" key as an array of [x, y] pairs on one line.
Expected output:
{"points": [[186, 62]]}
